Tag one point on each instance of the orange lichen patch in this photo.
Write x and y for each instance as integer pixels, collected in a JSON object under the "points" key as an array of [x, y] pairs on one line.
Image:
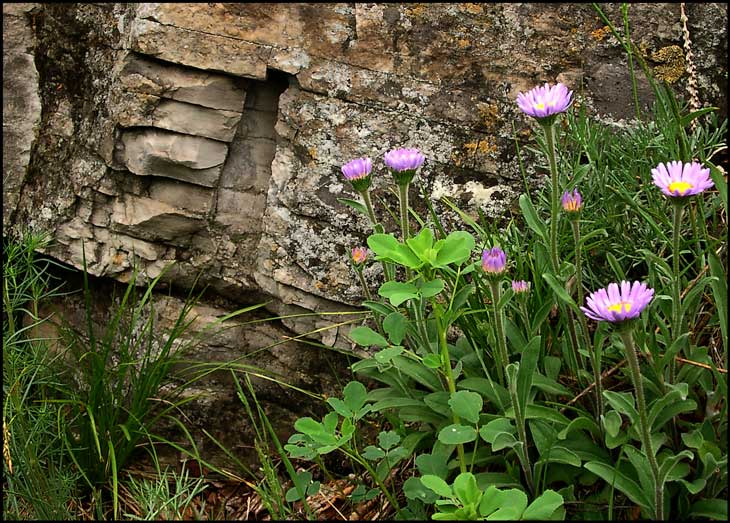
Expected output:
{"points": [[474, 9], [312, 153], [600, 34], [489, 114], [483, 146], [456, 158], [118, 258], [672, 65], [463, 43], [416, 10]]}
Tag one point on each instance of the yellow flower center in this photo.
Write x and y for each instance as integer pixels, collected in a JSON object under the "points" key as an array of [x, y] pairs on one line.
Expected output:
{"points": [[616, 307], [540, 106], [680, 186]]}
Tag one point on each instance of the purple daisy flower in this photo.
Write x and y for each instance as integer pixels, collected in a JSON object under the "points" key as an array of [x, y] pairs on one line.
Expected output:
{"points": [[357, 172], [676, 179], [403, 164], [572, 202], [520, 286], [616, 304], [545, 101], [494, 261]]}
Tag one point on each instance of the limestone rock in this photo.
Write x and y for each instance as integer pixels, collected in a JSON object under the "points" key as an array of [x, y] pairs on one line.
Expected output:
{"points": [[152, 219], [144, 76], [21, 102], [142, 110], [152, 152]]}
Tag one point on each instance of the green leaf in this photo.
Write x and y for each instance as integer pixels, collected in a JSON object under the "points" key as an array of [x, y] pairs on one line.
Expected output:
{"points": [[492, 431], [581, 422], [612, 423], [432, 361], [512, 504], [549, 386], [544, 506], [624, 403], [395, 325], [431, 288], [386, 355], [413, 488], [393, 403], [533, 411], [438, 485], [687, 118], [455, 248], [355, 395], [365, 336], [372, 453], [308, 426], [466, 489], [718, 284], [528, 367], [382, 244], [625, 484], [467, 405], [531, 217], [398, 292], [340, 407], [710, 509], [421, 244], [558, 454], [670, 463], [560, 292], [388, 439], [434, 463], [457, 434]]}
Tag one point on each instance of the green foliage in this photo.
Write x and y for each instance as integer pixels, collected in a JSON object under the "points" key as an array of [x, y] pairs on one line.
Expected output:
{"points": [[520, 437]]}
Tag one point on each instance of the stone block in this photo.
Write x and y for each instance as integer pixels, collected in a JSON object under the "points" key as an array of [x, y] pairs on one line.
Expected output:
{"points": [[153, 220], [151, 152], [184, 84]]}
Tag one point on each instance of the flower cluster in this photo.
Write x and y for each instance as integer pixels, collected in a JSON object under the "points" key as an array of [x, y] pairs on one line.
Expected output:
{"points": [[402, 163]]}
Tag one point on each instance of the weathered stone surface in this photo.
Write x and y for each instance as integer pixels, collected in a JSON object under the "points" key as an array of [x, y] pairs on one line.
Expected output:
{"points": [[154, 220], [192, 159], [143, 110], [21, 102], [212, 135], [216, 91]]}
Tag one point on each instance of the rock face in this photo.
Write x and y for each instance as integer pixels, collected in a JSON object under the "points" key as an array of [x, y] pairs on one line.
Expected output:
{"points": [[211, 135]]}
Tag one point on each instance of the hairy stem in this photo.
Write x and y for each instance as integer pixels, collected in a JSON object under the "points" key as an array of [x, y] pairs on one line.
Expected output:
{"points": [[448, 372], [583, 324], [554, 195], [521, 432], [499, 331], [644, 429], [676, 284]]}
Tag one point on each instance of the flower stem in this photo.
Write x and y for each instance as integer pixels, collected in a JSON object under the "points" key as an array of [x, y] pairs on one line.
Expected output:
{"points": [[676, 284], [554, 197], [448, 372], [499, 334], [583, 324], [369, 205], [521, 432], [363, 283], [403, 198], [644, 430]]}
